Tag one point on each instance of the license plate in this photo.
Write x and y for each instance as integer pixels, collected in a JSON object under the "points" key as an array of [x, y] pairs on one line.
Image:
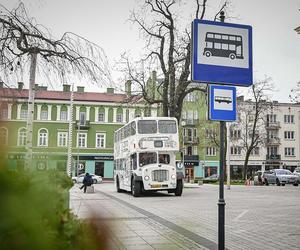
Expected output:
{"points": [[156, 185]]}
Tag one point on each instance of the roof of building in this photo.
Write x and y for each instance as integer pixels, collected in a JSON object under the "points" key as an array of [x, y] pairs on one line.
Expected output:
{"points": [[61, 95]]}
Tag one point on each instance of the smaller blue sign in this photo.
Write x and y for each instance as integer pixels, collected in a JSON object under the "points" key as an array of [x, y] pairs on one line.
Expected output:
{"points": [[222, 103]]}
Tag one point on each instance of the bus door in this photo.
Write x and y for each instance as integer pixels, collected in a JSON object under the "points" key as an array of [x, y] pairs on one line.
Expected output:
{"points": [[127, 172]]}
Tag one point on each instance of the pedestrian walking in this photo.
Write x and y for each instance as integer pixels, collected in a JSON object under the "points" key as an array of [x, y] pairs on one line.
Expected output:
{"points": [[87, 181]]}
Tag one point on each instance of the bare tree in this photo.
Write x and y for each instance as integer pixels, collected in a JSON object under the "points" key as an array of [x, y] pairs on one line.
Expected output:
{"points": [[167, 48], [295, 93], [251, 121], [23, 42]]}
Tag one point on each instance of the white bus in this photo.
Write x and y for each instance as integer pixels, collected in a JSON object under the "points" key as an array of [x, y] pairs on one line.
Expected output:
{"points": [[145, 156]]}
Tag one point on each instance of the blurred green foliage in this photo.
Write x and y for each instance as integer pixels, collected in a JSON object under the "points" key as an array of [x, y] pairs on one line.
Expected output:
{"points": [[34, 213]]}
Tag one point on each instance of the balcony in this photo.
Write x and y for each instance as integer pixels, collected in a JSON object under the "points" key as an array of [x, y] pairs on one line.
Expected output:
{"points": [[82, 125], [273, 141], [190, 122], [273, 158], [191, 140], [273, 125]]}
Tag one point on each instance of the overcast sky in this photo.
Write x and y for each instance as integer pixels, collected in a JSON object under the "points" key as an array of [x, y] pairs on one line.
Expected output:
{"points": [[276, 46]]}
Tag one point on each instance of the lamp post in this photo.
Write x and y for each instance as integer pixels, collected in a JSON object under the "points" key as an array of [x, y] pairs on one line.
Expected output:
{"points": [[183, 123]]}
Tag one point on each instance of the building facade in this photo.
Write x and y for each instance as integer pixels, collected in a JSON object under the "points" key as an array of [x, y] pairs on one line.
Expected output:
{"points": [[95, 118]]}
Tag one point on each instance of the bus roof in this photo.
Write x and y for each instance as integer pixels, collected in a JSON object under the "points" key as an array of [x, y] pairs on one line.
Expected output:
{"points": [[149, 118]]}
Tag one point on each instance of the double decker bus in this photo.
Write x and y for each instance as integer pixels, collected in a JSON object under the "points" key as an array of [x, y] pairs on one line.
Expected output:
{"points": [[145, 156], [223, 45]]}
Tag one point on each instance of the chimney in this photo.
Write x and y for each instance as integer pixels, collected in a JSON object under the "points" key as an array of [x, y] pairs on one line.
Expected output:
{"points": [[20, 85], [66, 88], [110, 90], [80, 89], [1, 85], [128, 88]]}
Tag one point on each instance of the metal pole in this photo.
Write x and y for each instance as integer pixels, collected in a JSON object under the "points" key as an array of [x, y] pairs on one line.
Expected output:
{"points": [[30, 112], [221, 202], [70, 135], [228, 159]]}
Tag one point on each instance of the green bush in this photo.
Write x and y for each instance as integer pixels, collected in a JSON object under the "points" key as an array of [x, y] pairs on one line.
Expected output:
{"points": [[34, 213]]}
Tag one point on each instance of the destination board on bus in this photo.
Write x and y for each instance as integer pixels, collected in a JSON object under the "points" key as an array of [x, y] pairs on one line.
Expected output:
{"points": [[221, 53]]}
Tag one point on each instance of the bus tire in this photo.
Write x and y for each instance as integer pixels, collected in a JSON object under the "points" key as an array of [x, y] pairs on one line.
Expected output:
{"points": [[179, 187], [207, 53], [136, 188], [119, 190], [232, 56]]}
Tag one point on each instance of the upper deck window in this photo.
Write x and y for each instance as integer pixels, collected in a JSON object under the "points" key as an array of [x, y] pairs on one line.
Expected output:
{"points": [[167, 127], [147, 127]]}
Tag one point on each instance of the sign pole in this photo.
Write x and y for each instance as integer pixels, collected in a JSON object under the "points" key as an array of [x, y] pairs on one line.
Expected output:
{"points": [[221, 202]]}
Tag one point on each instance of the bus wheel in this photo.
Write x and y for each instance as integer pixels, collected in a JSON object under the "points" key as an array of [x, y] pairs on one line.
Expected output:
{"points": [[208, 54], [136, 188], [179, 187], [232, 56], [118, 185]]}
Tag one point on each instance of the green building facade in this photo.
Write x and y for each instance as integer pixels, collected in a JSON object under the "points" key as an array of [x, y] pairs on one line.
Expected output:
{"points": [[96, 116]]}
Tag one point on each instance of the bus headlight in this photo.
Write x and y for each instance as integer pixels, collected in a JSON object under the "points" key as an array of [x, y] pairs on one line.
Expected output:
{"points": [[173, 176], [146, 178]]}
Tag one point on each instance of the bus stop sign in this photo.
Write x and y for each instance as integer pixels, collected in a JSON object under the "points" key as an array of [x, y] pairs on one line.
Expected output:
{"points": [[221, 53]]}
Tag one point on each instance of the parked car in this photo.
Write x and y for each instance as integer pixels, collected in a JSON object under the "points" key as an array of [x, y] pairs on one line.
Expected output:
{"points": [[79, 178], [213, 177], [297, 171], [264, 177], [284, 176]]}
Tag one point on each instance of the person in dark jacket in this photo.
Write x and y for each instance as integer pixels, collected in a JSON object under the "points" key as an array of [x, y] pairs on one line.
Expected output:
{"points": [[87, 181]]}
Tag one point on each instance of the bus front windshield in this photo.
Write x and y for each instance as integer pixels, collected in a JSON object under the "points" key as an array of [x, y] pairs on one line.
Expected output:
{"points": [[147, 158]]}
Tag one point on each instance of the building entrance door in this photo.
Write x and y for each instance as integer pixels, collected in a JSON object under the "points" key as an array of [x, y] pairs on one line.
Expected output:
{"points": [[99, 168], [189, 174]]}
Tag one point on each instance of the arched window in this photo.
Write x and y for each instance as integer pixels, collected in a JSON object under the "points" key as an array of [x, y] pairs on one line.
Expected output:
{"points": [[22, 137], [24, 112], [3, 136], [64, 113], [119, 117], [43, 137], [44, 113], [3, 111]]}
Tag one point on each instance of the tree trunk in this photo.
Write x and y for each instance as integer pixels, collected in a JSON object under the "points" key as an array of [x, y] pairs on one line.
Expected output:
{"points": [[245, 165], [29, 126]]}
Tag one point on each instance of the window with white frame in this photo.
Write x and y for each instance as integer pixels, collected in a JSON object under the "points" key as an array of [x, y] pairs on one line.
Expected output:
{"points": [[22, 137], [289, 151], [23, 114], [288, 118], [289, 135], [81, 140], [195, 150], [100, 140], [43, 137], [44, 114], [255, 151], [101, 117], [235, 133], [235, 150], [63, 115], [119, 117], [3, 136], [62, 139], [271, 118], [211, 151], [4, 111]]}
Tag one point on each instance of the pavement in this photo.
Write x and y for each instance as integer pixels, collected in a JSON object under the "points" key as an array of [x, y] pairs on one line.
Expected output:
{"points": [[257, 217]]}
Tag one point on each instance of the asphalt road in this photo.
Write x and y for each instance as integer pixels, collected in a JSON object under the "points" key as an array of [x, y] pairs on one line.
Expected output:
{"points": [[257, 217]]}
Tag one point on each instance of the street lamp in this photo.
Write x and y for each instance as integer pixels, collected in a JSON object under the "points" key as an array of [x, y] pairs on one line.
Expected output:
{"points": [[183, 123]]}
